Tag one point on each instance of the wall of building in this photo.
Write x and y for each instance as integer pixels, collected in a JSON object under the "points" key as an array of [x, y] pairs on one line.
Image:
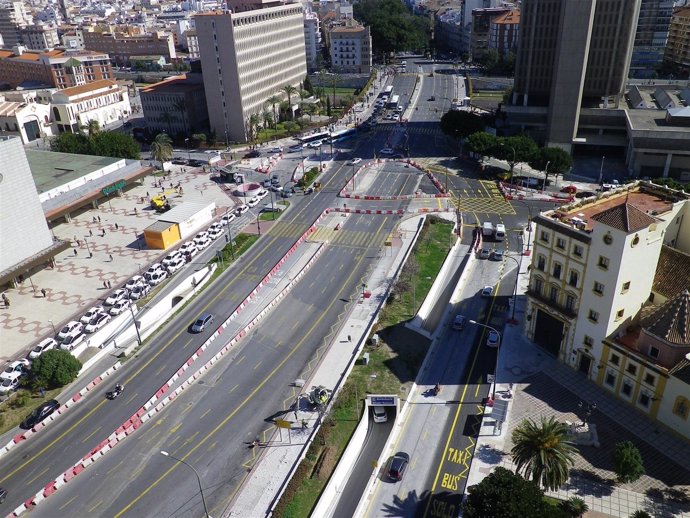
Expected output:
{"points": [[676, 393]]}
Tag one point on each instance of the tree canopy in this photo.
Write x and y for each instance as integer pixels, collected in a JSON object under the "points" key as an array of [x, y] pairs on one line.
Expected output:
{"points": [[557, 160], [100, 143], [55, 368], [504, 494], [161, 148], [461, 124], [393, 27], [627, 462]]}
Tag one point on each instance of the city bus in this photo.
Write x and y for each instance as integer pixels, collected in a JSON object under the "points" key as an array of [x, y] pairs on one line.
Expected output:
{"points": [[313, 137], [387, 92], [393, 102], [345, 134]]}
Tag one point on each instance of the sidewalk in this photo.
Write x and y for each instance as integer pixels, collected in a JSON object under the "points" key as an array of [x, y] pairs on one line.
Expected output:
{"points": [[545, 386], [265, 481]]}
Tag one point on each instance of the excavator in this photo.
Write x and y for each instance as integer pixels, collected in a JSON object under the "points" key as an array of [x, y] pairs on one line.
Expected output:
{"points": [[161, 202]]}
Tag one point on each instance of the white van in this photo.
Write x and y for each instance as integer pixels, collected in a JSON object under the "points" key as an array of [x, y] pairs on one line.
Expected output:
{"points": [[500, 232]]}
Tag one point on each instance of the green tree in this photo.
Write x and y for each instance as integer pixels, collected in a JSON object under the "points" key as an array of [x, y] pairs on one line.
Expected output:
{"points": [[114, 144], [306, 84], [640, 514], [253, 124], [291, 127], [161, 148], [55, 368], [552, 160], [627, 462], [76, 143], [199, 137], [92, 127], [461, 124], [481, 143], [490, 60], [542, 452], [525, 150], [267, 120], [574, 507], [393, 27], [328, 106], [181, 106], [289, 91], [273, 101], [167, 118], [506, 495]]}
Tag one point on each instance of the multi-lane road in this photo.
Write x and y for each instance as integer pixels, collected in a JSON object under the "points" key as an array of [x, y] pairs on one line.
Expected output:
{"points": [[211, 423]]}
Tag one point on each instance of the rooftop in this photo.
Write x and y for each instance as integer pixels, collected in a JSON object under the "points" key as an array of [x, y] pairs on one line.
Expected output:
{"points": [[672, 272], [88, 87], [51, 170], [509, 18], [671, 321]]}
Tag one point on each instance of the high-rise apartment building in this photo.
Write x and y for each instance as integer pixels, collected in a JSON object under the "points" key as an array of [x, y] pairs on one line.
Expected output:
{"points": [[573, 53], [12, 18], [312, 39], [39, 37], [677, 54], [650, 37], [248, 56]]}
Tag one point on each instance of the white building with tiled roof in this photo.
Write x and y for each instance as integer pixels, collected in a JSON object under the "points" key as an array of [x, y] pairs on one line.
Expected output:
{"points": [[104, 101]]}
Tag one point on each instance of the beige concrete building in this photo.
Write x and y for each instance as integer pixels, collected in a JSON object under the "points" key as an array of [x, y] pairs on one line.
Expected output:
{"points": [[121, 47], [351, 48], [248, 56], [39, 37], [176, 105], [104, 101]]}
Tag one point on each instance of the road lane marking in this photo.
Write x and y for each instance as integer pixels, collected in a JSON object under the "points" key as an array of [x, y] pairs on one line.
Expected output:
{"points": [[233, 389], [205, 414], [37, 476], [161, 369], [132, 397], [112, 469], [68, 502], [240, 360], [253, 393], [257, 365], [100, 502], [91, 434]]}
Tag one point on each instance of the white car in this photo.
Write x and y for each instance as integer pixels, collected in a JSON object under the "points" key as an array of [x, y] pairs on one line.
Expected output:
{"points": [[262, 194], [241, 210], [45, 345], [277, 188], [15, 369], [71, 341], [91, 313], [141, 291], [155, 267], [69, 329], [215, 231], [277, 149], [225, 220], [10, 384], [97, 323], [120, 307], [316, 144], [487, 291], [156, 278], [389, 117], [355, 161], [133, 282], [171, 257], [118, 295], [253, 202], [386, 151], [176, 266], [189, 248], [202, 240]]}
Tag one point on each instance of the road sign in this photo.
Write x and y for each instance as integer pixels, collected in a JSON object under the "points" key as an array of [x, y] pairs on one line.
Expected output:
{"points": [[382, 400]]}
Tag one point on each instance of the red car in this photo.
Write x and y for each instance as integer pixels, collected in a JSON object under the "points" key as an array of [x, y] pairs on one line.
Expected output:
{"points": [[570, 189]]}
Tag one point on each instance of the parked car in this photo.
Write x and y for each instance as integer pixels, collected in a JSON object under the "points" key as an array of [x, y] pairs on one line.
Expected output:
{"points": [[487, 291], [379, 413], [120, 306], [39, 414], [277, 188], [215, 231], [134, 281], [14, 369], [277, 149], [459, 322], [171, 257], [97, 323], [118, 295], [202, 240], [262, 194], [176, 265], [8, 385], [398, 466], [253, 202], [156, 278], [43, 346], [493, 339], [155, 267], [143, 289], [227, 218], [87, 317], [497, 255], [241, 210], [189, 248], [71, 341], [570, 189], [355, 161], [69, 329], [484, 253]]}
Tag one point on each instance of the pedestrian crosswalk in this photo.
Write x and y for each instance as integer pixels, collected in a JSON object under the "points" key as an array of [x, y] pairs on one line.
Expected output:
{"points": [[412, 130], [349, 238]]}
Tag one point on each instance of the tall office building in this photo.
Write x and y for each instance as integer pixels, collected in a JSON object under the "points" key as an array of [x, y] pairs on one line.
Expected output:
{"points": [[573, 54], [650, 37], [247, 56]]}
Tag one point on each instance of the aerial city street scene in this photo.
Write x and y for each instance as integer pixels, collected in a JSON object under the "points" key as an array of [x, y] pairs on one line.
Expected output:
{"points": [[345, 258]]}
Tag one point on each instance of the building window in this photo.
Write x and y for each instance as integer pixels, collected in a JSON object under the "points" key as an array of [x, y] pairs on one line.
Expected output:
{"points": [[649, 379], [544, 236], [619, 314], [573, 278], [557, 270], [588, 341], [541, 263], [553, 294], [681, 408], [626, 287], [615, 359], [538, 285], [644, 399], [570, 302], [653, 352], [626, 389], [603, 262], [560, 243], [593, 315], [610, 379], [598, 288], [631, 369]]}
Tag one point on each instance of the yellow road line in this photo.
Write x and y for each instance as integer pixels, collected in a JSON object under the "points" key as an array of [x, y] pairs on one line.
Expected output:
{"points": [[258, 387]]}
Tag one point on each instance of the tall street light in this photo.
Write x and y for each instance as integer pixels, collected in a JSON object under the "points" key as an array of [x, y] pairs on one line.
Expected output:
{"points": [[53, 325], [529, 225], [186, 144], [517, 278], [498, 353], [201, 489]]}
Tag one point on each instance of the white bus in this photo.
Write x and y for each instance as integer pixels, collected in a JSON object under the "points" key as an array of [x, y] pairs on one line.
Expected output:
{"points": [[393, 102]]}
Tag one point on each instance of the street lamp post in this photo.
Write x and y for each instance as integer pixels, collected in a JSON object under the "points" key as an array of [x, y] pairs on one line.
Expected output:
{"points": [[587, 408], [546, 174], [198, 478], [186, 144], [498, 353], [134, 321], [53, 326], [517, 278]]}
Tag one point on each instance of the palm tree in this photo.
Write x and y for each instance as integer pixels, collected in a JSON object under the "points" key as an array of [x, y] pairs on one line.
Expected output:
{"points": [[181, 106], [161, 148], [168, 119], [289, 91], [92, 127], [267, 119], [273, 101], [253, 123], [543, 451]]}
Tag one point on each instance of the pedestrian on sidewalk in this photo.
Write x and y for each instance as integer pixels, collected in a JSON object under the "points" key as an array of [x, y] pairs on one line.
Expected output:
{"points": [[99, 219], [105, 285], [111, 257], [43, 292], [90, 233], [135, 211], [6, 300], [103, 233], [117, 227], [109, 285], [93, 220], [75, 252]]}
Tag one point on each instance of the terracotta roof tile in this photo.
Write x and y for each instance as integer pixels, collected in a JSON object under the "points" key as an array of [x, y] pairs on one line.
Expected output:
{"points": [[682, 371], [625, 217], [672, 272], [508, 18], [88, 87], [671, 321]]}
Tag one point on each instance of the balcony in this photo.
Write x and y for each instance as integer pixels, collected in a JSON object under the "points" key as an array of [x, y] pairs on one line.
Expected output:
{"points": [[565, 311]]}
